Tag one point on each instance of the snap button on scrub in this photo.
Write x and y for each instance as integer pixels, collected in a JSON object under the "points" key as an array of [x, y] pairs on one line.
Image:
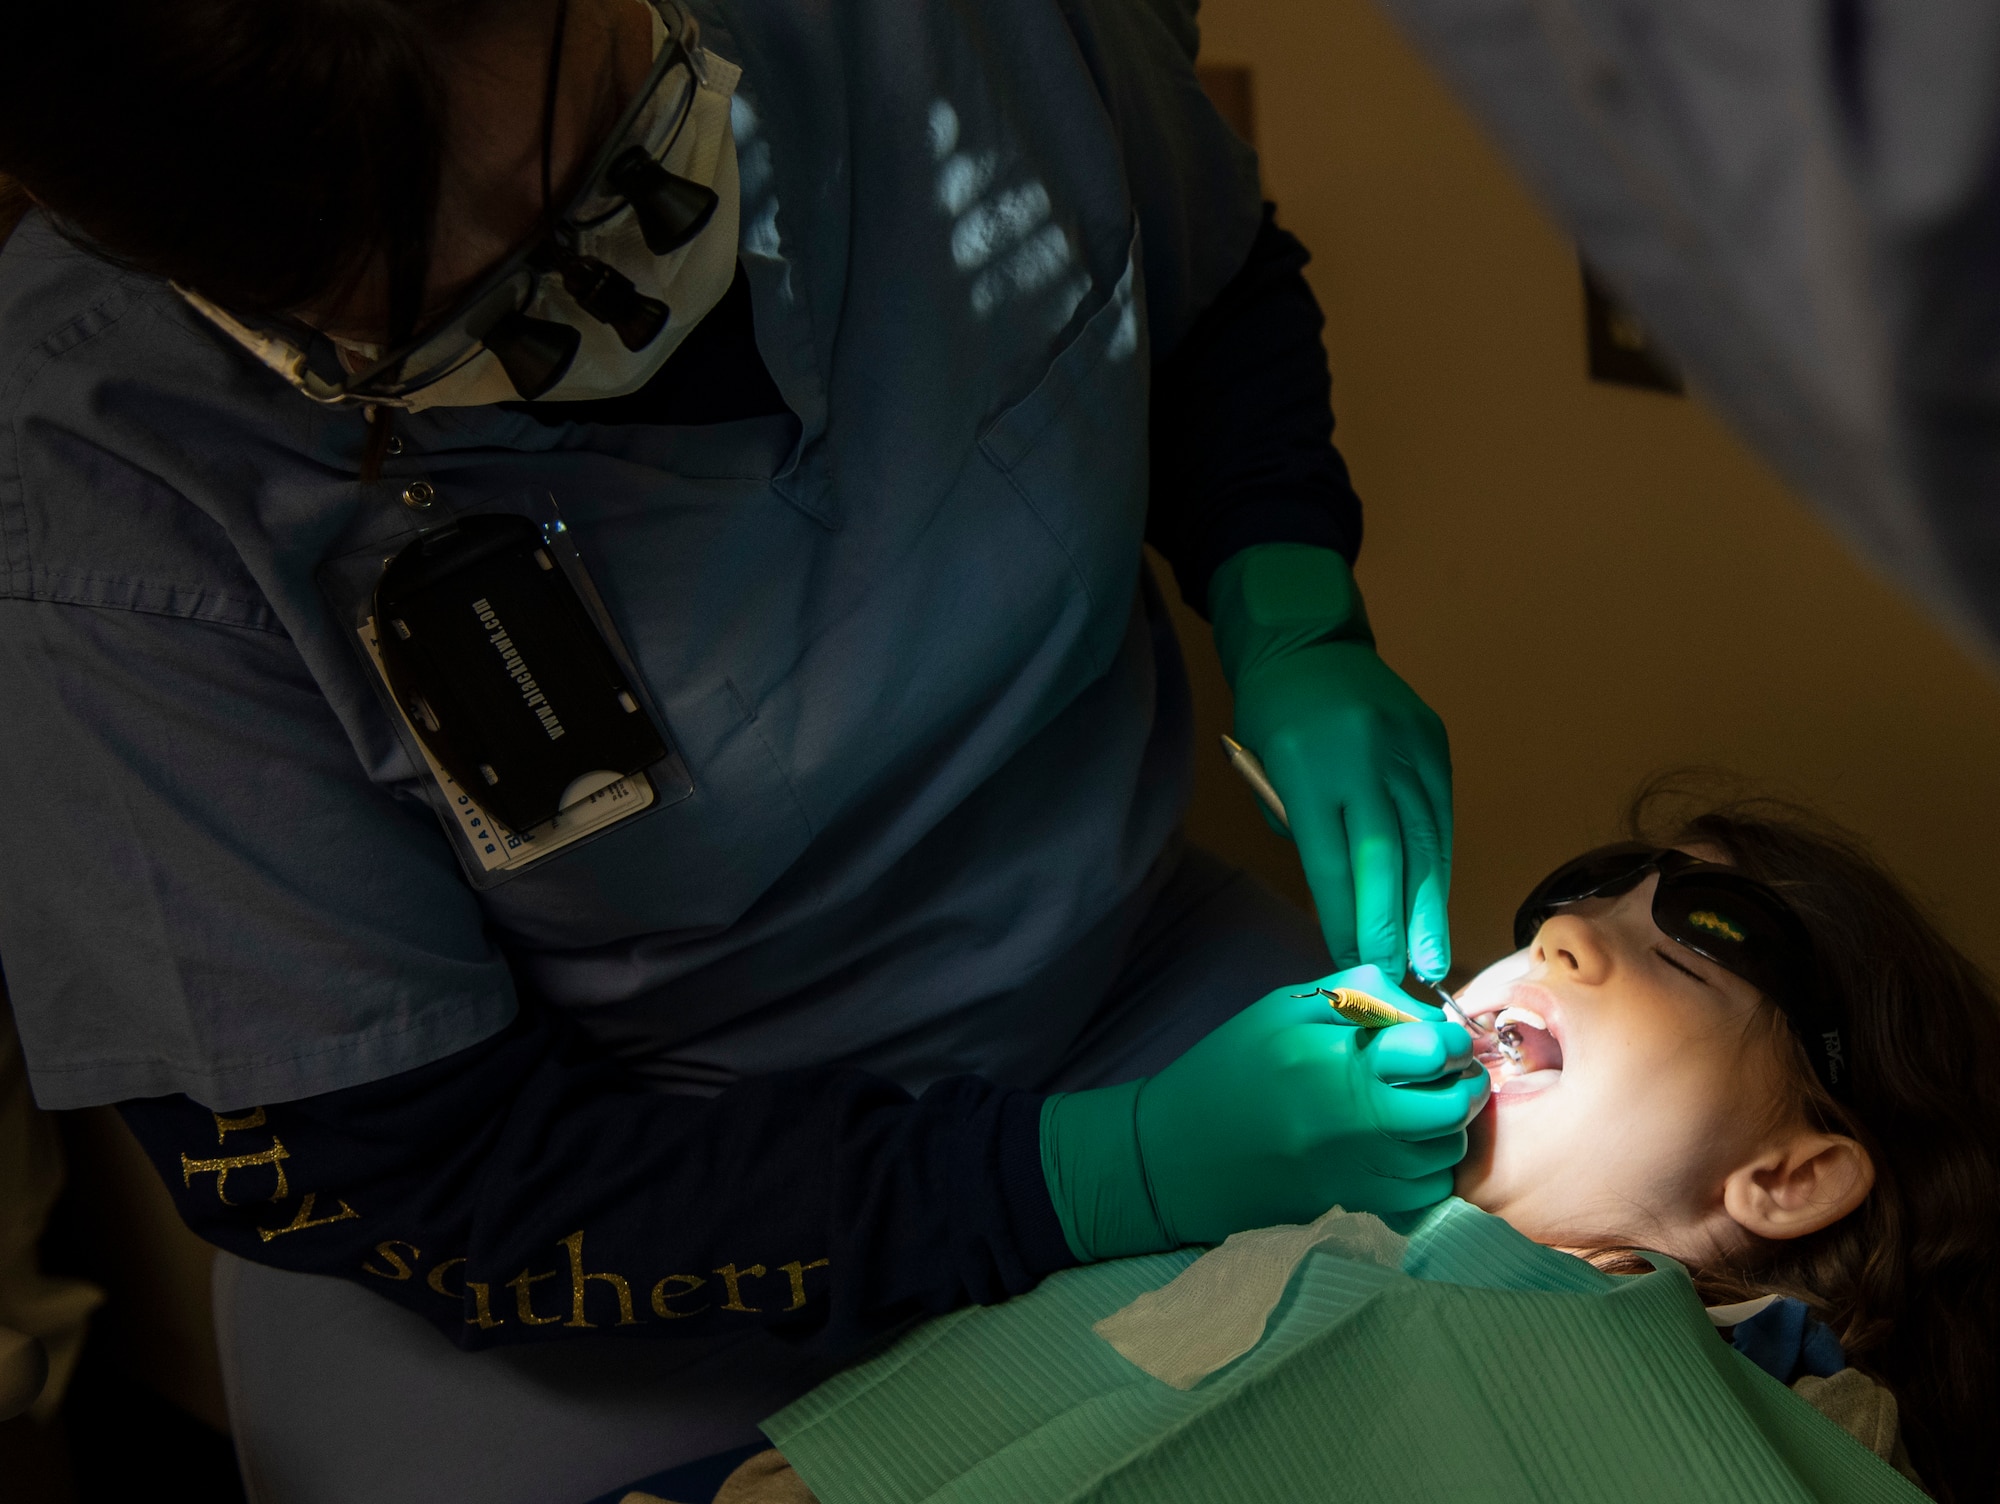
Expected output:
{"points": [[419, 494]]}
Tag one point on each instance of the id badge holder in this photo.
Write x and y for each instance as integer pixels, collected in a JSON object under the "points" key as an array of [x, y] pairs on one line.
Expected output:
{"points": [[506, 683]]}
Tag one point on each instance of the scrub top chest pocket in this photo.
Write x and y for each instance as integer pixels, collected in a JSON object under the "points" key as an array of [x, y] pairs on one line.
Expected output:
{"points": [[1074, 450], [502, 674]]}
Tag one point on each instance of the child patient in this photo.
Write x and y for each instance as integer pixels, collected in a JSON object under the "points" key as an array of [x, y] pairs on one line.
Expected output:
{"points": [[1735, 1041], [1742, 1045]]}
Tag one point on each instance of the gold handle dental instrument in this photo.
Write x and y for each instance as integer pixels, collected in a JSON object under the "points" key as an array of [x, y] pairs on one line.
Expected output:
{"points": [[1362, 1009], [1246, 764]]}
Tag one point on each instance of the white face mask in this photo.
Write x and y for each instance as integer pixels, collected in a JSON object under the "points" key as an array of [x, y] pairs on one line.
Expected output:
{"points": [[700, 147], [690, 281]]}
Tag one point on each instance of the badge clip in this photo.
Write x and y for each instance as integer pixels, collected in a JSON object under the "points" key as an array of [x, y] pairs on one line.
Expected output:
{"points": [[506, 678]]}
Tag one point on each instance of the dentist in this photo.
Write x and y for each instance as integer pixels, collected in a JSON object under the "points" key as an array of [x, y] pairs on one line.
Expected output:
{"points": [[594, 755]]}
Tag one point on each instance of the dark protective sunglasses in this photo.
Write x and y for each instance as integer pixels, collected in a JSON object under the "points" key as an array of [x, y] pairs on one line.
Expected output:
{"points": [[1722, 916]]}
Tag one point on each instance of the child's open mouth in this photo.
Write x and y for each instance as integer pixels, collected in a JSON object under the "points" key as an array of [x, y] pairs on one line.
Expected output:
{"points": [[1521, 1054]]}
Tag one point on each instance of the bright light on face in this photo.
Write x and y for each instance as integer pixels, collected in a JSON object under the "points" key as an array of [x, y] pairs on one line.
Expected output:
{"points": [[1630, 1077]]}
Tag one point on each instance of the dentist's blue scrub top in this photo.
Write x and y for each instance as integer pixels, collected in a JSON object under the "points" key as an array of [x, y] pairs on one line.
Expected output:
{"points": [[896, 634]]}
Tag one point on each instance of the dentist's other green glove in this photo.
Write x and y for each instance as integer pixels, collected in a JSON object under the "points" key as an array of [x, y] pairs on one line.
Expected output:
{"points": [[1361, 763], [1277, 1115]]}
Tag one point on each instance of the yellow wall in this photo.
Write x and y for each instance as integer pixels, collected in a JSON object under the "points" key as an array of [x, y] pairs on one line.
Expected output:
{"points": [[1589, 583]]}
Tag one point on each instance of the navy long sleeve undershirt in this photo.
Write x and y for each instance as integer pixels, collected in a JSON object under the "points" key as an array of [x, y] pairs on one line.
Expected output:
{"points": [[525, 1188], [1242, 426]]}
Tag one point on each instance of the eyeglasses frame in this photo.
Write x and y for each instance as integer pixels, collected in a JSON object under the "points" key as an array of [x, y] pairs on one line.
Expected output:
{"points": [[1808, 1007], [290, 361]]}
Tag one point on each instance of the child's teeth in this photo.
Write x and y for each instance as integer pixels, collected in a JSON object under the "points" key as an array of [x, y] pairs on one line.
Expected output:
{"points": [[1526, 1016]]}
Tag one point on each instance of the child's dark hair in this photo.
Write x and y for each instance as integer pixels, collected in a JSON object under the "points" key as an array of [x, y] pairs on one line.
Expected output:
{"points": [[1910, 1280]]}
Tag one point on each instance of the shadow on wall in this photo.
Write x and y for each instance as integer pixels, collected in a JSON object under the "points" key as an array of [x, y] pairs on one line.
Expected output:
{"points": [[1590, 582]]}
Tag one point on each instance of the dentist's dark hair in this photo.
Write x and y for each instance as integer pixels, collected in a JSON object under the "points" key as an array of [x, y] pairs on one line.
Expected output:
{"points": [[1910, 1280], [266, 155], [261, 154]]}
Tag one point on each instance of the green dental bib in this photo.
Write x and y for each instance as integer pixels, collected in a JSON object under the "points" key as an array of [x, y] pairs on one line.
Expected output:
{"points": [[1486, 1367]]}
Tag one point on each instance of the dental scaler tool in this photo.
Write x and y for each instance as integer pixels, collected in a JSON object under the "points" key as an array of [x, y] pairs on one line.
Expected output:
{"points": [[1500, 1040], [1361, 1008], [1252, 771], [1356, 1007], [1504, 1038], [1451, 1009]]}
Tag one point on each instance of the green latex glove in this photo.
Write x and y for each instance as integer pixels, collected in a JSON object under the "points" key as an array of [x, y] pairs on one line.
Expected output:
{"points": [[1277, 1115], [1361, 763]]}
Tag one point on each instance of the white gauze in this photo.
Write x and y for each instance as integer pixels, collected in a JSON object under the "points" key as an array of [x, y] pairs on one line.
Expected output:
{"points": [[1214, 1311]]}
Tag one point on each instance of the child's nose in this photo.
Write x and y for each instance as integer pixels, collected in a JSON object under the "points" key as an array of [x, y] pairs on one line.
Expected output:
{"points": [[1571, 949]]}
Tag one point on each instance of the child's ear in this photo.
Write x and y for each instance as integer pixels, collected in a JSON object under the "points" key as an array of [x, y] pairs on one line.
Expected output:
{"points": [[1799, 1185]]}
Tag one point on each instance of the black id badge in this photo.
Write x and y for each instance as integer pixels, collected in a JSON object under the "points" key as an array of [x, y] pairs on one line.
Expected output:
{"points": [[507, 678]]}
